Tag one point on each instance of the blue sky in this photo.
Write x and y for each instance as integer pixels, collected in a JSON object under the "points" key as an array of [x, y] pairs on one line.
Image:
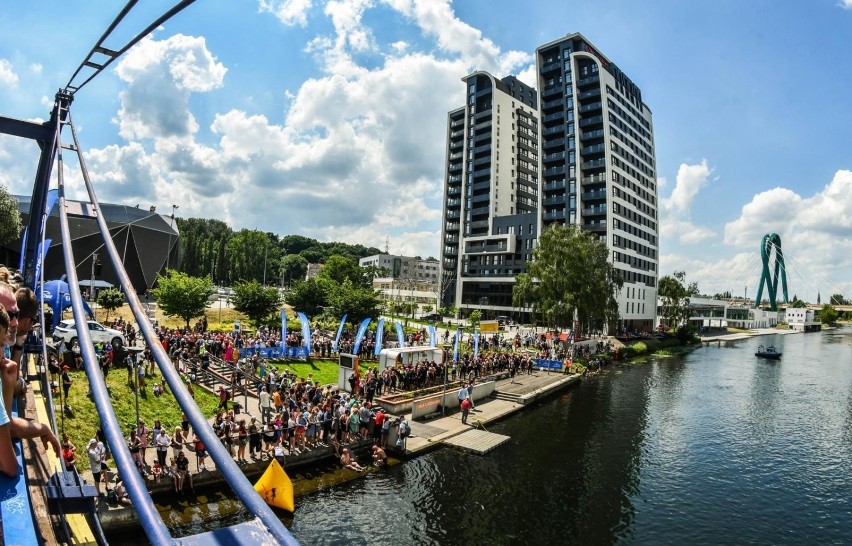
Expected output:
{"points": [[327, 118]]}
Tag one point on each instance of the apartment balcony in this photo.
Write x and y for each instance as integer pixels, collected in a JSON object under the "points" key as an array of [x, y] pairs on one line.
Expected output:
{"points": [[454, 190], [551, 90], [480, 224], [559, 142], [553, 117], [456, 144], [456, 123], [483, 126], [588, 81], [455, 166], [456, 155], [553, 130], [482, 148], [554, 200], [593, 107], [452, 251], [480, 211], [594, 120], [454, 227], [593, 179], [593, 164], [451, 239], [596, 92], [453, 203], [597, 210], [551, 104], [596, 195], [558, 156], [597, 227], [550, 67], [596, 149], [592, 135], [453, 214], [456, 134], [554, 215], [555, 185], [553, 171], [455, 179], [482, 161]]}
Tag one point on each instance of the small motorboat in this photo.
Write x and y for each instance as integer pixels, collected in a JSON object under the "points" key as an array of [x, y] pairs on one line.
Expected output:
{"points": [[768, 352]]}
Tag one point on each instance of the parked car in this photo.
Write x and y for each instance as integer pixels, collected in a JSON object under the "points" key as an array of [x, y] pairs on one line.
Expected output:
{"points": [[433, 317], [66, 330], [503, 320]]}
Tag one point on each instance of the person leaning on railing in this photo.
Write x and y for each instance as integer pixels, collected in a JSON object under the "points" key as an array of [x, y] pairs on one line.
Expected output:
{"points": [[8, 461], [20, 428]]}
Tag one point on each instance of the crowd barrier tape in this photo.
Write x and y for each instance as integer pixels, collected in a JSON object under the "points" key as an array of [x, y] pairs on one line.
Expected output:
{"points": [[275, 352], [543, 364]]}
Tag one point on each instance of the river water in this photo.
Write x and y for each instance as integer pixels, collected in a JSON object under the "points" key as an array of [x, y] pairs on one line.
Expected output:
{"points": [[714, 446]]}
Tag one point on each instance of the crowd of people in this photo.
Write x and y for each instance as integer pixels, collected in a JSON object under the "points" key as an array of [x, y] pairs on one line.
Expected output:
{"points": [[18, 316]]}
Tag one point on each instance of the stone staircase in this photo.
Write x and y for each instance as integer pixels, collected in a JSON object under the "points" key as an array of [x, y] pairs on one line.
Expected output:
{"points": [[508, 396]]}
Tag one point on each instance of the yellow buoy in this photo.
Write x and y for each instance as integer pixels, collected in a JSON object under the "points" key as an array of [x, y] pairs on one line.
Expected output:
{"points": [[276, 488]]}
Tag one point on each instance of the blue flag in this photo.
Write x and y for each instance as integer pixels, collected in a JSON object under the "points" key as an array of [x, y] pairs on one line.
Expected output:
{"points": [[380, 334], [41, 254], [339, 331], [433, 336], [400, 334], [456, 344], [360, 335], [475, 344], [306, 330]]}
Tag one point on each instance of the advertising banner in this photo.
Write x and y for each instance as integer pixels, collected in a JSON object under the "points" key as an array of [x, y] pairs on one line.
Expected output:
{"points": [[380, 335], [475, 343], [306, 330], [400, 334], [360, 335], [543, 364], [339, 331]]}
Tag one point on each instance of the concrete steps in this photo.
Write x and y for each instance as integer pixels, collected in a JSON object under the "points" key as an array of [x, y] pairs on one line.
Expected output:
{"points": [[509, 397]]}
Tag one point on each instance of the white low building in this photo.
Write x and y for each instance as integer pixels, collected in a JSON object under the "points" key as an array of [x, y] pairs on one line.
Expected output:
{"points": [[802, 319]]}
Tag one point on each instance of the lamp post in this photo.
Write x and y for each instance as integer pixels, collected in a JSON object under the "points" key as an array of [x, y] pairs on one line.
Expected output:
{"points": [[171, 224]]}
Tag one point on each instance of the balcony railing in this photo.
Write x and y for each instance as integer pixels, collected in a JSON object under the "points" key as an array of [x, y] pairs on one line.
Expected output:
{"points": [[555, 185], [594, 120], [552, 130], [593, 179], [588, 81], [554, 171], [554, 214], [596, 149], [590, 107], [554, 200], [594, 164], [596, 92], [598, 210], [589, 135], [593, 195]]}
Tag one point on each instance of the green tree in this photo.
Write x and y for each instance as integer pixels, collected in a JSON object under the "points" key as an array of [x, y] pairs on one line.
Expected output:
{"points": [[838, 299], [474, 318], [356, 301], [310, 296], [293, 268], [570, 273], [340, 269], [675, 295], [10, 227], [828, 314], [797, 303], [256, 301], [252, 254], [180, 295], [202, 247], [110, 299]]}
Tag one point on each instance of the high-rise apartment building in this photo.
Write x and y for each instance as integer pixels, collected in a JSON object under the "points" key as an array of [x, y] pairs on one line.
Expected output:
{"points": [[580, 151]]}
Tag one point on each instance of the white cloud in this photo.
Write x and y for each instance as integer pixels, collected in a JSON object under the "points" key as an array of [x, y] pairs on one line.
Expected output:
{"points": [[289, 12], [675, 220], [684, 231], [815, 231], [690, 180], [7, 74], [845, 4], [36, 68], [160, 76], [436, 18], [358, 158]]}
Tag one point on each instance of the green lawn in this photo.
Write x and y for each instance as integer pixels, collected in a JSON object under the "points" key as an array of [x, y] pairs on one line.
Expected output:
{"points": [[82, 426], [322, 370]]}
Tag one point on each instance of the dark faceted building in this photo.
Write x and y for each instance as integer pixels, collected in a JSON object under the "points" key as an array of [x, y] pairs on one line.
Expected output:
{"points": [[147, 243]]}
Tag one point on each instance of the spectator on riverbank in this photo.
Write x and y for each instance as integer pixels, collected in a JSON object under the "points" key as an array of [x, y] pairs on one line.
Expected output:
{"points": [[182, 472], [380, 458], [347, 461]]}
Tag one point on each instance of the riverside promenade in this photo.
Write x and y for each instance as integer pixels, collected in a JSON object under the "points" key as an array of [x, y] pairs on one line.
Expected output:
{"points": [[510, 396]]}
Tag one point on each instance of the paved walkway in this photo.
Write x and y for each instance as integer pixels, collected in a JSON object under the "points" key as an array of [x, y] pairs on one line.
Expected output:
{"points": [[521, 390]]}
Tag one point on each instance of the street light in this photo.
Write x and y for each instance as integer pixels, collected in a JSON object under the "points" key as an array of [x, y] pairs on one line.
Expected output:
{"points": [[171, 224]]}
